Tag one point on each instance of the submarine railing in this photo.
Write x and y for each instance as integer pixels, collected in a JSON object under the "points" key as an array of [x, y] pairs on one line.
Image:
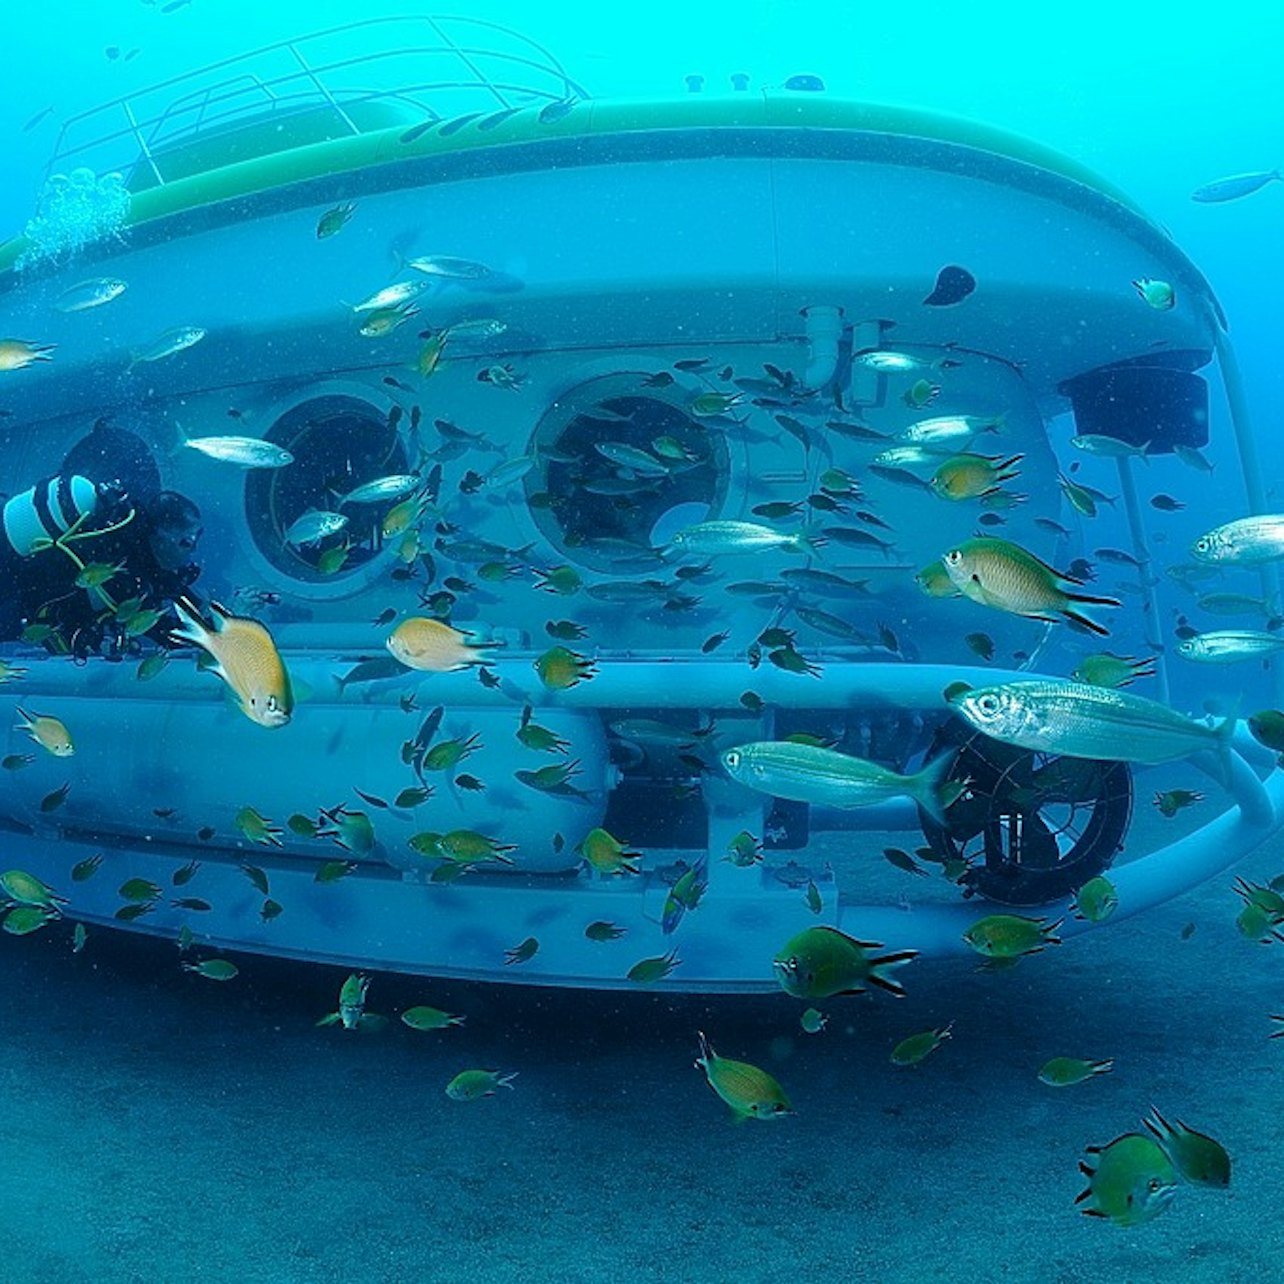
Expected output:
{"points": [[145, 126]]}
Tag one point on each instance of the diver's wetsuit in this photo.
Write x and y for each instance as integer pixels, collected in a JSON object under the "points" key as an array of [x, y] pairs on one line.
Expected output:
{"points": [[96, 525]]}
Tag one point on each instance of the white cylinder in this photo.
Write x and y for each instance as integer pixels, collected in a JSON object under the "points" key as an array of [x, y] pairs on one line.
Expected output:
{"points": [[47, 510], [824, 328]]}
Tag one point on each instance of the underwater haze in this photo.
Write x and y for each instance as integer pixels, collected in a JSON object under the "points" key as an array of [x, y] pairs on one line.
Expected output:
{"points": [[599, 685]]}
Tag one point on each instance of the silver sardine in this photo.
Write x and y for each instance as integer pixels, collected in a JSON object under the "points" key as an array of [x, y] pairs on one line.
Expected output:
{"points": [[248, 452], [1084, 721], [1226, 646], [810, 773], [1247, 541]]}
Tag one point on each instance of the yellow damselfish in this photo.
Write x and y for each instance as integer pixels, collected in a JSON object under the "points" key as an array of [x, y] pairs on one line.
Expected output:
{"points": [[17, 354], [1133, 1181], [246, 658], [1197, 1157], [431, 646], [48, 732], [972, 476], [1065, 1072], [750, 1092], [607, 855], [822, 961], [1000, 574], [1008, 936], [472, 1085]]}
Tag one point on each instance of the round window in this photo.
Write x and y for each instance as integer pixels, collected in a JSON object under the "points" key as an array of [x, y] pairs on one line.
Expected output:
{"points": [[321, 515], [615, 458]]}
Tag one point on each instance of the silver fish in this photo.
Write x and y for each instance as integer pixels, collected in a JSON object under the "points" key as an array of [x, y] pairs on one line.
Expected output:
{"points": [[476, 328], [908, 456], [394, 486], [890, 362], [1231, 189], [502, 376], [648, 731], [1084, 721], [451, 268], [167, 344], [824, 622], [900, 476], [856, 430], [854, 537], [1247, 541], [510, 471], [248, 452], [1226, 646], [810, 773], [949, 429], [634, 457], [1231, 603], [392, 296], [1188, 573], [716, 539], [623, 592], [477, 550], [826, 582], [1109, 447], [622, 552], [90, 294], [1192, 458], [314, 526]]}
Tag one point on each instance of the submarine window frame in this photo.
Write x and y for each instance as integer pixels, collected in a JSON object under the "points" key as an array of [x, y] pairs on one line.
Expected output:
{"points": [[367, 425], [557, 424]]}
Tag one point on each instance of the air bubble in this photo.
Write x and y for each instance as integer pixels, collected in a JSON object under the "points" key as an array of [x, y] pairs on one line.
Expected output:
{"points": [[74, 211]]}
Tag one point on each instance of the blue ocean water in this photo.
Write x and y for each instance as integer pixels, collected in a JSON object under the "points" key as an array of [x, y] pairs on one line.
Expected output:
{"points": [[164, 1125]]}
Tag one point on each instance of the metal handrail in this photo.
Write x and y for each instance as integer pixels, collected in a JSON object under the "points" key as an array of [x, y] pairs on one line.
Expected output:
{"points": [[467, 61], [322, 90], [179, 105], [199, 99], [148, 129]]}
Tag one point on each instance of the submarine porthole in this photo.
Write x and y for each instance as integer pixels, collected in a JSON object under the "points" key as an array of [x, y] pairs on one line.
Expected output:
{"points": [[614, 458], [338, 444]]}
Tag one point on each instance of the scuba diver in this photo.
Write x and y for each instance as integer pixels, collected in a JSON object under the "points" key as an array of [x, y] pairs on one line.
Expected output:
{"points": [[91, 566]]}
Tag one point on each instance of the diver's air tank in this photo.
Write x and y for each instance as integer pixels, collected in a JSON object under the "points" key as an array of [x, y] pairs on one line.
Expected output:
{"points": [[47, 511]]}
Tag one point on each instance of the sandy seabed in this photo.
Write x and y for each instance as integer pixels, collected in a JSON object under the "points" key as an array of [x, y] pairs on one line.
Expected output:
{"points": [[157, 1126]]}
